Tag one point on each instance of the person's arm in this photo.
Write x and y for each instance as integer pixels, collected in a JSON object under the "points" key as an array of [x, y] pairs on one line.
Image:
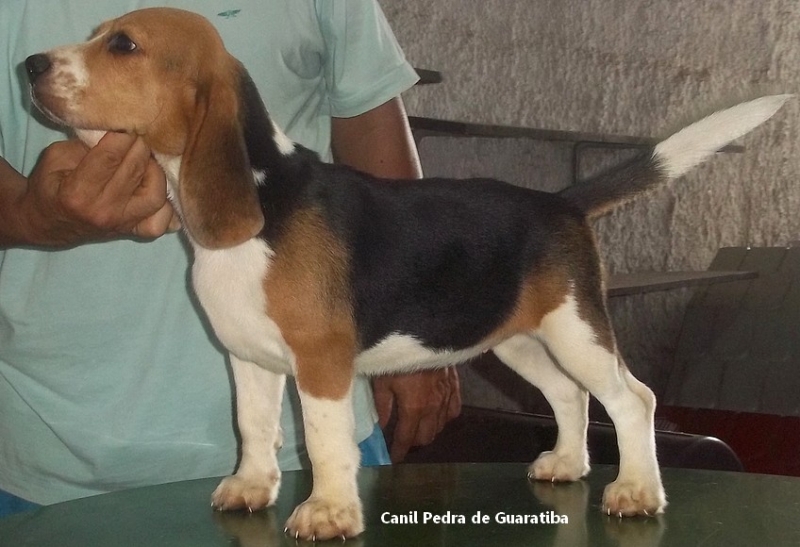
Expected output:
{"points": [[379, 142], [75, 195]]}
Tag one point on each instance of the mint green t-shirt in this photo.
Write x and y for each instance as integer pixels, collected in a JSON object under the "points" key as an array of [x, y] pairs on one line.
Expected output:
{"points": [[109, 376]]}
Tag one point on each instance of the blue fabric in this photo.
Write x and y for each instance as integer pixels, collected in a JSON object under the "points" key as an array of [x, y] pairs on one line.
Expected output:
{"points": [[373, 449], [11, 504]]}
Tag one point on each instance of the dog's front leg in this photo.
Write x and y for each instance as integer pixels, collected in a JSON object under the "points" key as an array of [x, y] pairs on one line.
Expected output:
{"points": [[333, 509], [258, 404]]}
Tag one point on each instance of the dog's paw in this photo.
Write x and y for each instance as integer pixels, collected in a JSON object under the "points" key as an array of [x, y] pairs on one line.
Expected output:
{"points": [[554, 467], [630, 498], [320, 519], [251, 493]]}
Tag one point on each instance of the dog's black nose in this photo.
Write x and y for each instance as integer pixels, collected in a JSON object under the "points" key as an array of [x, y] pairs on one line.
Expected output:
{"points": [[36, 65]]}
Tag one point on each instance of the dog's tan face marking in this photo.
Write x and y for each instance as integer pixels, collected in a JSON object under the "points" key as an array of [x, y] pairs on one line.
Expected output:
{"points": [[164, 75], [139, 74]]}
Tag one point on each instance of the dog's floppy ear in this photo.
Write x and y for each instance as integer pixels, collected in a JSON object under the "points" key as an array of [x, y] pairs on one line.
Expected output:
{"points": [[218, 197]]}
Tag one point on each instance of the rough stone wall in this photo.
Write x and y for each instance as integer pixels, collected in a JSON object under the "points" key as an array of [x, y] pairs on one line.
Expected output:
{"points": [[636, 67], [631, 67]]}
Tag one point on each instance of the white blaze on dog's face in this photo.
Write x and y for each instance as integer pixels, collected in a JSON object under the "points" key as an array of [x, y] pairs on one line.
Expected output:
{"points": [[137, 74]]}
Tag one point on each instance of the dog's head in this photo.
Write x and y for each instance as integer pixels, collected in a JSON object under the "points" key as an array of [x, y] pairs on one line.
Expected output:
{"points": [[165, 75]]}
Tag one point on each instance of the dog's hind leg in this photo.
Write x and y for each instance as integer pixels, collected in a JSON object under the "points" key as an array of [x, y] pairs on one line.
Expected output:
{"points": [[569, 459], [578, 333], [255, 485]]}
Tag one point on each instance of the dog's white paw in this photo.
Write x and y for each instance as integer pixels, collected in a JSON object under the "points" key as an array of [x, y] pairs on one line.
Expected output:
{"points": [[555, 467], [246, 492], [319, 519], [630, 498]]}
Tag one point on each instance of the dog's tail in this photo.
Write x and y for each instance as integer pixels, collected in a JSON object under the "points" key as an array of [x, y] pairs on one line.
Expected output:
{"points": [[672, 157]]}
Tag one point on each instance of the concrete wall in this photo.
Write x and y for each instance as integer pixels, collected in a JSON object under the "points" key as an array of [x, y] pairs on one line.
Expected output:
{"points": [[634, 67]]}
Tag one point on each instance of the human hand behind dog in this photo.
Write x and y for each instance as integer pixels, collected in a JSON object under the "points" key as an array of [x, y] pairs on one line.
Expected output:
{"points": [[77, 195], [425, 401]]}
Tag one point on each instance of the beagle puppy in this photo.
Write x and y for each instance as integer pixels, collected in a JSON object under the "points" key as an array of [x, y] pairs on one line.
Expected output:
{"points": [[323, 272]]}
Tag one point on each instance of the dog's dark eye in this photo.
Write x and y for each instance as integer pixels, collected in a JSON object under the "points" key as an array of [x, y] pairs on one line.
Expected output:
{"points": [[121, 43]]}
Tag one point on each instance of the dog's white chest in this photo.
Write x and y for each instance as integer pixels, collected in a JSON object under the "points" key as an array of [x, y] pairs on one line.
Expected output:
{"points": [[230, 286]]}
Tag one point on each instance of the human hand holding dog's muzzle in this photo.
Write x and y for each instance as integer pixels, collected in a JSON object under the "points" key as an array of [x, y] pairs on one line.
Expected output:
{"points": [[77, 195]]}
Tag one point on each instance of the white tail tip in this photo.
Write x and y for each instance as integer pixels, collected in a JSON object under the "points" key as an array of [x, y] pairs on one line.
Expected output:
{"points": [[693, 144]]}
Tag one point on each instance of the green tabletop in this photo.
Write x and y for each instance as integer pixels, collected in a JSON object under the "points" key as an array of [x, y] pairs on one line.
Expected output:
{"points": [[706, 508]]}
